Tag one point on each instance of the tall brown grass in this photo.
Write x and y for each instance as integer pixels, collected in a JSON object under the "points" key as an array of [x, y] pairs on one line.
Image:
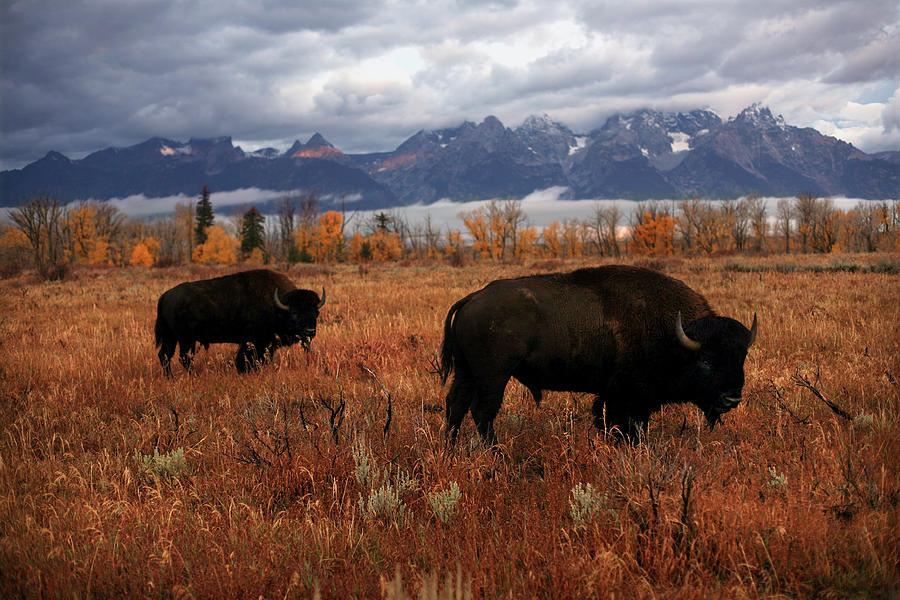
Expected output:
{"points": [[787, 499]]}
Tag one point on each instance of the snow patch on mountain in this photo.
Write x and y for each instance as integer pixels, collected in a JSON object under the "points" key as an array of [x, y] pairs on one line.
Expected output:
{"points": [[680, 141]]}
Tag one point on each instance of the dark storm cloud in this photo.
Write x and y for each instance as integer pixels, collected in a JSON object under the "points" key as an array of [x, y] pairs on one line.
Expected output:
{"points": [[80, 76]]}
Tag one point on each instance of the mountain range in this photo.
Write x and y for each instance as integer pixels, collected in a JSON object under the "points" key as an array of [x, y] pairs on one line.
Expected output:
{"points": [[642, 155]]}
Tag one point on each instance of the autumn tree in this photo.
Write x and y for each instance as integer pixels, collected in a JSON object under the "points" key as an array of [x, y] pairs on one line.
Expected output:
{"points": [[381, 245], [604, 226], [15, 251], [816, 223], [328, 237], [553, 246], [572, 238], [784, 219], [527, 243], [89, 229], [252, 233], [865, 224], [287, 249], [453, 247], [305, 232], [494, 228], [219, 248], [652, 233], [712, 229], [477, 224], [736, 223], [804, 209], [145, 252], [41, 221], [514, 219], [759, 221], [431, 238], [204, 216], [184, 218]]}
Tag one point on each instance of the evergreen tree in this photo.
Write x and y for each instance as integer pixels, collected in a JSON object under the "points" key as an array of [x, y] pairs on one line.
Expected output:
{"points": [[252, 232], [205, 216]]}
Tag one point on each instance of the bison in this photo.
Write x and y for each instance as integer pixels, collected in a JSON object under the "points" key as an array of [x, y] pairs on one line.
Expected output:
{"points": [[259, 310], [613, 331]]}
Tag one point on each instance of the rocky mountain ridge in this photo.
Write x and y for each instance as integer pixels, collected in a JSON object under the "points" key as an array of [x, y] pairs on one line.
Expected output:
{"points": [[642, 155]]}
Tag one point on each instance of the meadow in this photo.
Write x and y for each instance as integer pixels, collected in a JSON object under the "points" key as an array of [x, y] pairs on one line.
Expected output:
{"points": [[326, 473]]}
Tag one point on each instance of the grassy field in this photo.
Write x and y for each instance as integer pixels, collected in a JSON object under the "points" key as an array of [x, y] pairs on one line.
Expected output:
{"points": [[325, 474]]}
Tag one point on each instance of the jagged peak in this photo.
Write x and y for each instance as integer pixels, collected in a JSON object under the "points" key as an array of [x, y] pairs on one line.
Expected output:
{"points": [[318, 139], [56, 156], [757, 114], [539, 124], [491, 122]]}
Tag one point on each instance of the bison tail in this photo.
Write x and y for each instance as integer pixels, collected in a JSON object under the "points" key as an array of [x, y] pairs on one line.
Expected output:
{"points": [[160, 330], [449, 344]]}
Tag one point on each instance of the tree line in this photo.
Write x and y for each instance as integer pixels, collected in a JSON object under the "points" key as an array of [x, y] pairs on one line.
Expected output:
{"points": [[51, 237]]}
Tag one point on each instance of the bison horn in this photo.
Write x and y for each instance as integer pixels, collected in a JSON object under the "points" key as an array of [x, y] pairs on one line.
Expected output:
{"points": [[682, 336], [322, 301], [279, 303], [752, 331]]}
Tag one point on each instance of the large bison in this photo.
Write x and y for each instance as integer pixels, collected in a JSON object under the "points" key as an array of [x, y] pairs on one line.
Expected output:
{"points": [[613, 331], [259, 310]]}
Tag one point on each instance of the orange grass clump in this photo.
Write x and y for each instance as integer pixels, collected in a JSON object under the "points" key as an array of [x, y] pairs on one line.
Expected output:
{"points": [[319, 476]]}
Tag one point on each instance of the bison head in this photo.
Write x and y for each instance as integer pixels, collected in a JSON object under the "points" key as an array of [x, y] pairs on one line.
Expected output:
{"points": [[297, 312], [717, 348]]}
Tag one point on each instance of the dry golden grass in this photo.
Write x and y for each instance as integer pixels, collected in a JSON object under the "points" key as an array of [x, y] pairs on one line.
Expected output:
{"points": [[786, 499]]}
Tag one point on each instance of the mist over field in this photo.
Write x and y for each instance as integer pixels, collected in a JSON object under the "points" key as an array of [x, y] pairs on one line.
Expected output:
{"points": [[542, 207]]}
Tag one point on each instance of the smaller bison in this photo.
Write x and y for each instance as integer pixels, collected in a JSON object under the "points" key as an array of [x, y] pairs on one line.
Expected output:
{"points": [[635, 338], [259, 310]]}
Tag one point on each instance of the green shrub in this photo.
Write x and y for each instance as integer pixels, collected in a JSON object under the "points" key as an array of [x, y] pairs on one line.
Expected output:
{"points": [[443, 503], [161, 466]]}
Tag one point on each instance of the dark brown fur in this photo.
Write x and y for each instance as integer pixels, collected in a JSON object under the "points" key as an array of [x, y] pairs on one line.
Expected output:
{"points": [[609, 331], [238, 309]]}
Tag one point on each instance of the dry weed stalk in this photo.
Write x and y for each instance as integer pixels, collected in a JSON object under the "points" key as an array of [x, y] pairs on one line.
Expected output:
{"points": [[804, 382]]}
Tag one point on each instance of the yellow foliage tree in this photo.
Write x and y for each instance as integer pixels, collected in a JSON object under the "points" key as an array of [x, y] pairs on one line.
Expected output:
{"points": [[14, 247], [553, 247], [380, 246], [653, 236], [527, 243], [86, 245], [256, 257], [477, 224], [328, 239], [498, 232], [140, 256], [571, 238], [219, 248], [305, 240], [386, 245], [454, 244]]}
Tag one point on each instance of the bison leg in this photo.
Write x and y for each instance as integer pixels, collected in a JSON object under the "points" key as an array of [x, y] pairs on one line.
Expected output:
{"points": [[485, 408], [186, 354], [459, 398], [612, 417], [166, 352], [247, 358], [484, 412]]}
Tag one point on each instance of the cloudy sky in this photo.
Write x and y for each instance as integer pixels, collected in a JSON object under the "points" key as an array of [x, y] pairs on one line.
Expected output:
{"points": [[81, 76]]}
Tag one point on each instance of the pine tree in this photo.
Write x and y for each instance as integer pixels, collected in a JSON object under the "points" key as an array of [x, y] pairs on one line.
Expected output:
{"points": [[252, 232], [205, 216]]}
